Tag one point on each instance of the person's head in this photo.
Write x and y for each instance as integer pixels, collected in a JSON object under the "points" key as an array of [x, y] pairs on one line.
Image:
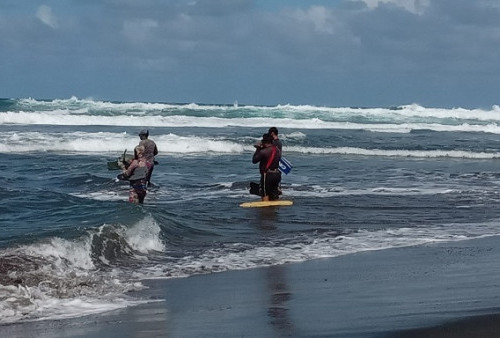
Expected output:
{"points": [[273, 131], [144, 134], [267, 139], [139, 151]]}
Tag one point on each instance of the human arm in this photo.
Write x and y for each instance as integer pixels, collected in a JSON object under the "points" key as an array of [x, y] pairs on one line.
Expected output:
{"points": [[130, 170], [257, 155]]}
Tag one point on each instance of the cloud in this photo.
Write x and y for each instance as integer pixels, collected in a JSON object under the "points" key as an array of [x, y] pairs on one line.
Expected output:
{"points": [[413, 6], [318, 16], [45, 15], [140, 29], [317, 51]]}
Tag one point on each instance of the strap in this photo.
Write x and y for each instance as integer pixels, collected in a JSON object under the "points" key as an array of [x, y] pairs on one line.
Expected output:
{"points": [[270, 161]]}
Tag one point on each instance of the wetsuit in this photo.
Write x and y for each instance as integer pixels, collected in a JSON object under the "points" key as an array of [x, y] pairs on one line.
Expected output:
{"points": [[270, 177], [278, 144]]}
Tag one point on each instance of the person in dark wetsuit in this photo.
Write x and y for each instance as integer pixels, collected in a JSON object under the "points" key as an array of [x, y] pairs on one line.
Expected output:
{"points": [[273, 131], [150, 151], [136, 173], [268, 156]]}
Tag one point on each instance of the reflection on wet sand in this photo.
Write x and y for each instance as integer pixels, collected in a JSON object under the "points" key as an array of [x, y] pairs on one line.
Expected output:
{"points": [[279, 296]]}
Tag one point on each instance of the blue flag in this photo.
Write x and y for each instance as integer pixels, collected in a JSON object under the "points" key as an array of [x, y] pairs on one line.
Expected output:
{"points": [[285, 166]]}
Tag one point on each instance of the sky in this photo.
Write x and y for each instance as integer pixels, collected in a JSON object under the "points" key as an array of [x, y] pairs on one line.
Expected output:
{"points": [[340, 53]]}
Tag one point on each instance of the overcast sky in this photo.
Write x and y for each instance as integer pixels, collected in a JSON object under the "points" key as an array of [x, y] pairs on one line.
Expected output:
{"points": [[376, 53]]}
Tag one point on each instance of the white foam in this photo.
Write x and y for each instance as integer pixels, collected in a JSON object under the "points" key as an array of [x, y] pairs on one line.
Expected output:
{"points": [[87, 105], [63, 254], [30, 303], [326, 245], [60, 278], [394, 153], [67, 118], [115, 143], [104, 195], [18, 142], [327, 192], [401, 113], [145, 236]]}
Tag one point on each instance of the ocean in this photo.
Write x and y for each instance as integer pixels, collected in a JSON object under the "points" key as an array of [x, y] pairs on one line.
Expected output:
{"points": [[363, 179]]}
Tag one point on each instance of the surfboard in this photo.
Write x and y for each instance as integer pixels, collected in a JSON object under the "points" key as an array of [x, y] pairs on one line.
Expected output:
{"points": [[260, 204]]}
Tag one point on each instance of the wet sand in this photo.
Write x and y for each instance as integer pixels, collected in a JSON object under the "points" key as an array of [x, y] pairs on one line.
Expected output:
{"points": [[439, 290]]}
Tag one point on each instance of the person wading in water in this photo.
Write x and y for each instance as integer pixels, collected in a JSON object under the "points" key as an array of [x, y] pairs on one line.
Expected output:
{"points": [[268, 155]]}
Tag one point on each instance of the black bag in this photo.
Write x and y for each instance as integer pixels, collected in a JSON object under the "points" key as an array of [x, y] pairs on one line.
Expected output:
{"points": [[255, 188]]}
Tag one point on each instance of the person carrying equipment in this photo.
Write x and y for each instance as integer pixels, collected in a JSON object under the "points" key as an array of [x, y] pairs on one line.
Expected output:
{"points": [[150, 151], [268, 155], [136, 173]]}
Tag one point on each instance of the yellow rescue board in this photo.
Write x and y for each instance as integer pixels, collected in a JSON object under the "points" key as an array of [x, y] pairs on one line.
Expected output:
{"points": [[260, 204]]}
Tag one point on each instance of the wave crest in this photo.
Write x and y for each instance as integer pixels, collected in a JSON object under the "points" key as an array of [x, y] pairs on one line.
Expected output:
{"points": [[91, 272]]}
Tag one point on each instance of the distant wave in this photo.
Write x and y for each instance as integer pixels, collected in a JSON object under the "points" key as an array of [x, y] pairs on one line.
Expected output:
{"points": [[406, 110], [64, 118], [31, 111], [115, 143], [80, 142], [396, 152]]}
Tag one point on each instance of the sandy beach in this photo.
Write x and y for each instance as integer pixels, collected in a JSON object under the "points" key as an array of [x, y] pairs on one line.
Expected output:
{"points": [[445, 290]]}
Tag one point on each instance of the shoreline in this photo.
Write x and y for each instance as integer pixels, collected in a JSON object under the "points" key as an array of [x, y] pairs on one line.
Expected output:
{"points": [[417, 291]]}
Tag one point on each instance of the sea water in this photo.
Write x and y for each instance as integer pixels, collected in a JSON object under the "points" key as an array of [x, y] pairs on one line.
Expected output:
{"points": [[362, 179]]}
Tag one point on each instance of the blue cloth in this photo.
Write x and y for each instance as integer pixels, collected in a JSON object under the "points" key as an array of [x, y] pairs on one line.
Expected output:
{"points": [[285, 166]]}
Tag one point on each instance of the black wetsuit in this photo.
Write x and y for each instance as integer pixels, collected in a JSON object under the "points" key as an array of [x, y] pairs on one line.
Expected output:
{"points": [[270, 177], [278, 144]]}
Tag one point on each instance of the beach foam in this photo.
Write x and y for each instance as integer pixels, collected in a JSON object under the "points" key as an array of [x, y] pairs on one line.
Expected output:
{"points": [[115, 143], [63, 278]]}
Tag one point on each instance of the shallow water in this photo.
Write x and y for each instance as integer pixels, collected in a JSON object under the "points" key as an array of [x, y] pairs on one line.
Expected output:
{"points": [[363, 179]]}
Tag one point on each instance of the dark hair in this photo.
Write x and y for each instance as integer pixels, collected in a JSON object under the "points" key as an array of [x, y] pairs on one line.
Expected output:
{"points": [[267, 138], [273, 130], [144, 132]]}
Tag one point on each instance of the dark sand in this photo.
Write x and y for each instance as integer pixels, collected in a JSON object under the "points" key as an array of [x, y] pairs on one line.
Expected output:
{"points": [[440, 290]]}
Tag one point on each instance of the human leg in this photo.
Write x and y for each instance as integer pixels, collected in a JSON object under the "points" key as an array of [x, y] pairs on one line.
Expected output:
{"points": [[273, 180]]}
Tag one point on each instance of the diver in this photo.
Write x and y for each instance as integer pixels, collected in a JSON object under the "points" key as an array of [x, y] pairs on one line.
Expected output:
{"points": [[150, 151], [268, 155]]}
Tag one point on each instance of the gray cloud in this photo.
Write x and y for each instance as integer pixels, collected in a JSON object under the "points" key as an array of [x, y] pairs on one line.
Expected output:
{"points": [[347, 53]]}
